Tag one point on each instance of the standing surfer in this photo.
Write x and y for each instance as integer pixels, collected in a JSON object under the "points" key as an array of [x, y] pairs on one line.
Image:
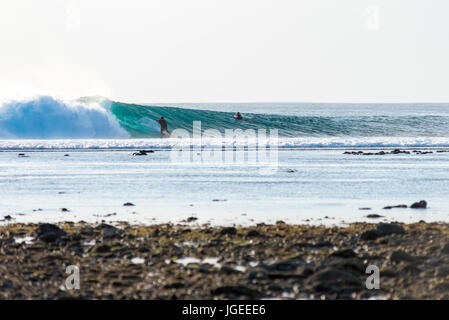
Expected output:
{"points": [[163, 124]]}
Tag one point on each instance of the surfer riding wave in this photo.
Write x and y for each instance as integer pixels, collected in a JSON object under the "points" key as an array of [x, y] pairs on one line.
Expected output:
{"points": [[164, 129]]}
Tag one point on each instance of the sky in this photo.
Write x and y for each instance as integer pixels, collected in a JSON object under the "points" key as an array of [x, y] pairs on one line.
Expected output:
{"points": [[226, 51]]}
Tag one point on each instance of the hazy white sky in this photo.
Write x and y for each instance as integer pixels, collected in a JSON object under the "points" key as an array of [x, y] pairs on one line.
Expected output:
{"points": [[228, 50]]}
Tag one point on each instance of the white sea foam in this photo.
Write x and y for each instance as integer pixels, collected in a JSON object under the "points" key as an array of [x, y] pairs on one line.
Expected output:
{"points": [[167, 144], [48, 118]]}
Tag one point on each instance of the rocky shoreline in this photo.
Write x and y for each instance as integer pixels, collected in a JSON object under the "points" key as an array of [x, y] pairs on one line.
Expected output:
{"points": [[278, 261]]}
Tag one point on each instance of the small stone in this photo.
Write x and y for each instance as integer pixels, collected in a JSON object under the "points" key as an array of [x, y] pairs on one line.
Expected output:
{"points": [[65, 210], [288, 265], [253, 233], [229, 270], [445, 249], [374, 216], [442, 271], [230, 230], [191, 219], [344, 253], [233, 291], [102, 249], [370, 235], [331, 278], [401, 256], [398, 206], [128, 204], [108, 231]]}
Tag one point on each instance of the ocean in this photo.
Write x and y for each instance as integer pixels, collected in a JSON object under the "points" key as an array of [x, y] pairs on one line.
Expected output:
{"points": [[78, 155]]}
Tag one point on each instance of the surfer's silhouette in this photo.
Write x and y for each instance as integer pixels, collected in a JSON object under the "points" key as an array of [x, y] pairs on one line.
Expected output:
{"points": [[163, 124], [238, 116]]}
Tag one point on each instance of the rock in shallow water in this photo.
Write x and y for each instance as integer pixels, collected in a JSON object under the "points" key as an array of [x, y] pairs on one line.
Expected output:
{"points": [[128, 204], [419, 205], [397, 206]]}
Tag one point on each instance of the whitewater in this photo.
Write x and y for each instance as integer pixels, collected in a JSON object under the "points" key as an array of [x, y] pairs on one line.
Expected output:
{"points": [[96, 123]]}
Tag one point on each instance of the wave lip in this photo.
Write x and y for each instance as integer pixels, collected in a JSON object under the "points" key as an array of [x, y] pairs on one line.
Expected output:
{"points": [[49, 118]]}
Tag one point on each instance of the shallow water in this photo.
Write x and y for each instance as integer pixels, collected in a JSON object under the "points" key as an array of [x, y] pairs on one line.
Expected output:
{"points": [[309, 186]]}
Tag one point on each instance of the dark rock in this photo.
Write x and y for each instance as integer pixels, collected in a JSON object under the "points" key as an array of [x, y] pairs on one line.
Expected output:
{"points": [[374, 216], [142, 152], [442, 271], [419, 205], [65, 210], [372, 234], [445, 249], [401, 256], [288, 265], [108, 231], [352, 265], [87, 231], [390, 228], [174, 285], [102, 249], [322, 244], [8, 218], [383, 229], [344, 253], [398, 206], [230, 231], [333, 279], [236, 291], [229, 270], [364, 208], [253, 233], [128, 204], [49, 232], [191, 219]]}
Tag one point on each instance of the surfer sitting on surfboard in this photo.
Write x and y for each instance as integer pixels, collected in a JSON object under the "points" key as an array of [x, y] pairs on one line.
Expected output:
{"points": [[164, 129], [238, 116]]}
